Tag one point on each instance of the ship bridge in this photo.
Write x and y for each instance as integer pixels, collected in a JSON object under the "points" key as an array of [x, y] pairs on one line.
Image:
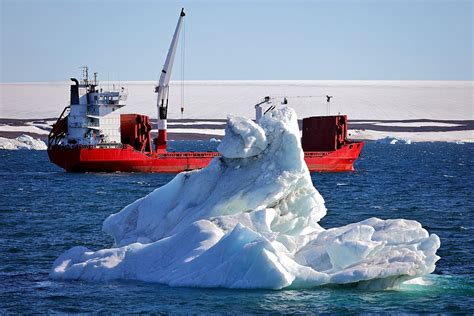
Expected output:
{"points": [[93, 117]]}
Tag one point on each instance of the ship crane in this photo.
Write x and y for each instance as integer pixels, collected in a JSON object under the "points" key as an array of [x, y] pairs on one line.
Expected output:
{"points": [[163, 88], [266, 101], [259, 110], [92, 136]]}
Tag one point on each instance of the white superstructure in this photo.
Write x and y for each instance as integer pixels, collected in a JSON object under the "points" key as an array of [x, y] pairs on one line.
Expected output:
{"points": [[93, 118]]}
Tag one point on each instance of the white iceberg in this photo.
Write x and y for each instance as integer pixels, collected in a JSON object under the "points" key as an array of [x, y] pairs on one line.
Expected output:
{"points": [[250, 220], [22, 142], [394, 141]]}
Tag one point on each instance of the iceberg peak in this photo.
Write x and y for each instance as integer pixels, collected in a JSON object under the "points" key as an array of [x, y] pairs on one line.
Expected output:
{"points": [[243, 139]]}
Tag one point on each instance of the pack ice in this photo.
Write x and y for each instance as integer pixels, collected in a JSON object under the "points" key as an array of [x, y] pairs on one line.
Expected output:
{"points": [[250, 220]]}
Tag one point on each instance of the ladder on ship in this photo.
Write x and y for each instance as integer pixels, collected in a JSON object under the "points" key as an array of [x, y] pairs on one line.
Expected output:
{"points": [[59, 129]]}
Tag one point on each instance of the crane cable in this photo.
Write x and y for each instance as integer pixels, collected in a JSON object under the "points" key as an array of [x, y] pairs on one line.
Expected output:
{"points": [[183, 49], [278, 97], [298, 96]]}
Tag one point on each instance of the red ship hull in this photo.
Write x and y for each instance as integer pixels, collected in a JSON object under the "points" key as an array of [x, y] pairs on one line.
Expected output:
{"points": [[127, 159]]}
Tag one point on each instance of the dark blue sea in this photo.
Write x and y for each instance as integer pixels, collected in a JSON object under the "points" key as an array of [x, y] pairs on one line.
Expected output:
{"points": [[45, 211]]}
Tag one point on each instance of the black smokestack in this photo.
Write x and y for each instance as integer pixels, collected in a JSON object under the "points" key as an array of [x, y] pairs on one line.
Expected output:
{"points": [[75, 91]]}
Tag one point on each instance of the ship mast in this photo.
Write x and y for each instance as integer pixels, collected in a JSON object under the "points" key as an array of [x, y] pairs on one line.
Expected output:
{"points": [[163, 87]]}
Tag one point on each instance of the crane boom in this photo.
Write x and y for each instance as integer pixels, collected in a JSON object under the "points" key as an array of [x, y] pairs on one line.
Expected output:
{"points": [[163, 86]]}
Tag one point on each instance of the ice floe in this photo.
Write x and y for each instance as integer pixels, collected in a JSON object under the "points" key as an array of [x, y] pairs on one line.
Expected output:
{"points": [[393, 141], [466, 136], [204, 131], [250, 220], [417, 124], [22, 142]]}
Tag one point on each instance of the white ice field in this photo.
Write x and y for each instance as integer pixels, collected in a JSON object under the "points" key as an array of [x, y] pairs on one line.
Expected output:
{"points": [[380, 100], [250, 220], [360, 100]]}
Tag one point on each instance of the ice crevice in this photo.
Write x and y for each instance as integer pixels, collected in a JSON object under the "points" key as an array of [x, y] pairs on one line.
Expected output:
{"points": [[250, 220]]}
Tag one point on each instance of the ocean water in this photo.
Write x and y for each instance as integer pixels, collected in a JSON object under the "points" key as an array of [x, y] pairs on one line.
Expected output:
{"points": [[45, 211]]}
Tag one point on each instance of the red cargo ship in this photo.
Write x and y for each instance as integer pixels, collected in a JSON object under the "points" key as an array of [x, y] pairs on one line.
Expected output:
{"points": [[90, 136], [324, 142]]}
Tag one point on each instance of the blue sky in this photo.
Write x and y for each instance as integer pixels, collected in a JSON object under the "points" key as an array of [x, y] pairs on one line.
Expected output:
{"points": [[274, 40]]}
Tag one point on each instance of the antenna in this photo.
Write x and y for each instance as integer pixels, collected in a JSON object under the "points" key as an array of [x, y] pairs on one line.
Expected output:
{"points": [[85, 74], [328, 103], [95, 78], [119, 83]]}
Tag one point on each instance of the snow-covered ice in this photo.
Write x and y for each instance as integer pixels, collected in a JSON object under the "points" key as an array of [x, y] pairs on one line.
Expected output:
{"points": [[22, 142], [367, 100], [171, 124], [416, 124], [205, 131], [250, 220], [24, 128], [450, 136], [362, 100]]}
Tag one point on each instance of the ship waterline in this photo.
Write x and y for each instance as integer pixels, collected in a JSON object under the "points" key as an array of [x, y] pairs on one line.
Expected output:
{"points": [[127, 159]]}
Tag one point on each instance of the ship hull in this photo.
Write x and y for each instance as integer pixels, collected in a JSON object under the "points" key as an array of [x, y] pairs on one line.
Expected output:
{"points": [[127, 159]]}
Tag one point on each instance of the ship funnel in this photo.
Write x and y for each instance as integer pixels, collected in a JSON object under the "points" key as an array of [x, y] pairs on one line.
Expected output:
{"points": [[75, 92]]}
